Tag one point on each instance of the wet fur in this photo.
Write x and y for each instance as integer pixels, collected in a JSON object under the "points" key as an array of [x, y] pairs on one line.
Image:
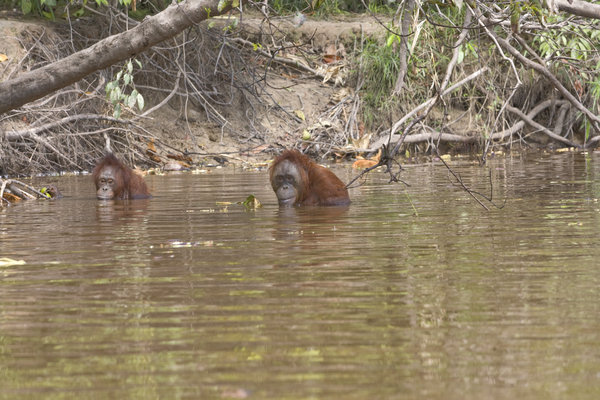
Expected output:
{"points": [[128, 184], [318, 187]]}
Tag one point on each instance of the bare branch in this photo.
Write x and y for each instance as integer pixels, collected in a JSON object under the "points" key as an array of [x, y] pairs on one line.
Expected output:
{"points": [[423, 105], [540, 127], [542, 70], [153, 30]]}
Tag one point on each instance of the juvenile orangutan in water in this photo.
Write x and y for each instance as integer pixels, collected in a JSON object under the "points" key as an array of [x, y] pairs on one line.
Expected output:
{"points": [[297, 180], [114, 180]]}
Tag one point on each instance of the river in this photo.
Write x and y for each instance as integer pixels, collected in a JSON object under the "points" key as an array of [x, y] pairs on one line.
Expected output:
{"points": [[411, 292]]}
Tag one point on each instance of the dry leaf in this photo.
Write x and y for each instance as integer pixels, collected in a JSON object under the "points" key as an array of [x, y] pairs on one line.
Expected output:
{"points": [[11, 198], [330, 58], [363, 141], [363, 164], [151, 151], [180, 157]]}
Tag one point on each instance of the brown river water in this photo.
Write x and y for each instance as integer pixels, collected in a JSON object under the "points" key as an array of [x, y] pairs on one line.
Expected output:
{"points": [[410, 293]]}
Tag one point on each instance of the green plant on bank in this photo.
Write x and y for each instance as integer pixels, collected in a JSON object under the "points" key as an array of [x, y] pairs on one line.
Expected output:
{"points": [[324, 8], [595, 87], [573, 52], [116, 90], [51, 9], [571, 41], [380, 66]]}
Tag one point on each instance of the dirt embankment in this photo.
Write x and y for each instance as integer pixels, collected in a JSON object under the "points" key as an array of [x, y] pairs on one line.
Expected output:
{"points": [[273, 85], [294, 101]]}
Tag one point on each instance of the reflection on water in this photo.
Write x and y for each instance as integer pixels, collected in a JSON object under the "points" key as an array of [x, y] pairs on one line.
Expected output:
{"points": [[179, 296]]}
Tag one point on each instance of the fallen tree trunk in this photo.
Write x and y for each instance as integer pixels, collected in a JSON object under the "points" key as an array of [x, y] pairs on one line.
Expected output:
{"points": [[35, 84]]}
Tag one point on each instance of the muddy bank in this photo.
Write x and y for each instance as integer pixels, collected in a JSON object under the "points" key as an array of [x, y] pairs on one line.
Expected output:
{"points": [[272, 85]]}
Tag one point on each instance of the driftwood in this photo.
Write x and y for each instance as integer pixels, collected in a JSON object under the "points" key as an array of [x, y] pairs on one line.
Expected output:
{"points": [[12, 190]]}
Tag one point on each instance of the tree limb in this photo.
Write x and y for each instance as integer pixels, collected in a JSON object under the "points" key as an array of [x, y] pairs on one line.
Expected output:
{"points": [[540, 127], [403, 53], [580, 8], [542, 70], [35, 84], [31, 132], [423, 105], [530, 115]]}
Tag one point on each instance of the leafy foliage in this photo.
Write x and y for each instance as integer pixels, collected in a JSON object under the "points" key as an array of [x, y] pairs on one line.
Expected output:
{"points": [[380, 66], [52, 9], [574, 48], [327, 7], [116, 90]]}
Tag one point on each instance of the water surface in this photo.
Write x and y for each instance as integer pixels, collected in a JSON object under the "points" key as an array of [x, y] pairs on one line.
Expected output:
{"points": [[411, 292]]}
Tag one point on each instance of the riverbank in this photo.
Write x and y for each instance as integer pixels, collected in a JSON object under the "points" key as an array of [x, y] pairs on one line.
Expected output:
{"points": [[319, 85]]}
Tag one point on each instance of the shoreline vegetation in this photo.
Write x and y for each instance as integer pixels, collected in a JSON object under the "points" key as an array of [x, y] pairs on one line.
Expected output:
{"points": [[393, 79]]}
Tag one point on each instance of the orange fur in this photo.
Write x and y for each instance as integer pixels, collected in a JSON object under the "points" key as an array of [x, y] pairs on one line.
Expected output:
{"points": [[128, 185], [318, 187]]}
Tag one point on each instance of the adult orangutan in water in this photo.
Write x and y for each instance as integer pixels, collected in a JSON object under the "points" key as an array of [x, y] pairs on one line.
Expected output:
{"points": [[114, 180], [297, 180]]}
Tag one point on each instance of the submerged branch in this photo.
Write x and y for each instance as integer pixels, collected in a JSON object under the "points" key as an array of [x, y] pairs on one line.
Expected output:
{"points": [[471, 192]]}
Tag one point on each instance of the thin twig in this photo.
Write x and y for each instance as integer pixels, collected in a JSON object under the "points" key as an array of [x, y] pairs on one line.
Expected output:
{"points": [[471, 192]]}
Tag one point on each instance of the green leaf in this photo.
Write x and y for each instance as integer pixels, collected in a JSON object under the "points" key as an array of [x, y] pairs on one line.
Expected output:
{"points": [[390, 40], [235, 3], [110, 86], [587, 129], [139, 63], [117, 112], [461, 55], [115, 95], [129, 66], [140, 101], [26, 6], [44, 191], [131, 99], [251, 203], [222, 4]]}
